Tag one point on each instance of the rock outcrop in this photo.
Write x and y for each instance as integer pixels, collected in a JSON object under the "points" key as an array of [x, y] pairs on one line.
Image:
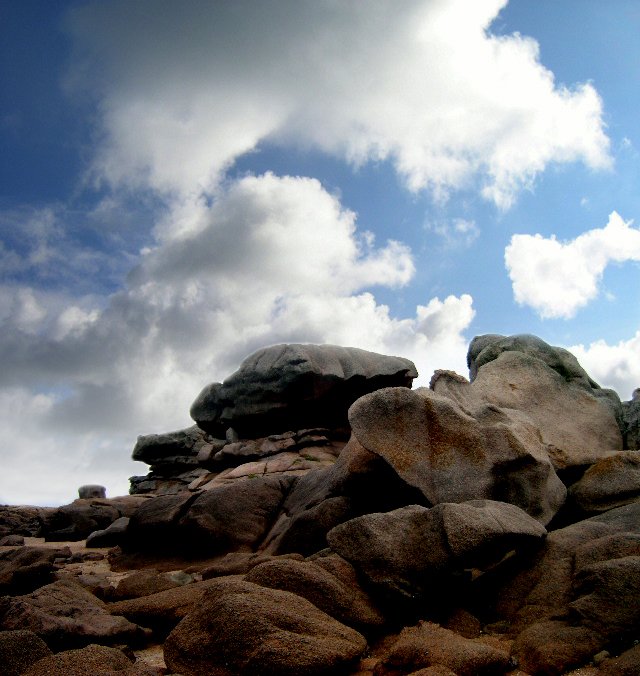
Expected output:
{"points": [[324, 518], [292, 386]]}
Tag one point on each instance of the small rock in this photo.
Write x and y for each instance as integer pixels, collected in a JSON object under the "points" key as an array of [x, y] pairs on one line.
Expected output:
{"points": [[92, 491]]}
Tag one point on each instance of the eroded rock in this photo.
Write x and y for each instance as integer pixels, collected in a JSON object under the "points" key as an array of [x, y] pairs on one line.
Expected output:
{"points": [[260, 630]]}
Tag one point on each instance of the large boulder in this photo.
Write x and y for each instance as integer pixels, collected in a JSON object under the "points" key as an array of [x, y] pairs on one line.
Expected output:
{"points": [[66, 615], [343, 600], [257, 630], [579, 594], [27, 568], [358, 483], [611, 482], [228, 517], [21, 520], [429, 645], [162, 611], [548, 385], [287, 387], [94, 660], [80, 518], [455, 453], [234, 517], [409, 553]]}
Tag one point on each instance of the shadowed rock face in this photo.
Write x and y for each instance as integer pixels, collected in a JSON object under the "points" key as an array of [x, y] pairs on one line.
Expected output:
{"points": [[293, 386]]}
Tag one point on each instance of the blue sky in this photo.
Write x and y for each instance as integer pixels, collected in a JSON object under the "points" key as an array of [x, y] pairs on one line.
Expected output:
{"points": [[185, 182]]}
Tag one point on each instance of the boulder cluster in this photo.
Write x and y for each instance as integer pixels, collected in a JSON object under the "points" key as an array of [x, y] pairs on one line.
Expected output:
{"points": [[322, 517]]}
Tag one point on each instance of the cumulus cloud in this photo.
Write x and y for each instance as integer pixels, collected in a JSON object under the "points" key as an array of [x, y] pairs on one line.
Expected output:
{"points": [[558, 278], [615, 366], [185, 88], [272, 259]]}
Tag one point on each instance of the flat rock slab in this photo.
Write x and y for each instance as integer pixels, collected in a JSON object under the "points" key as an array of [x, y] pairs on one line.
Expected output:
{"points": [[286, 387], [249, 629]]}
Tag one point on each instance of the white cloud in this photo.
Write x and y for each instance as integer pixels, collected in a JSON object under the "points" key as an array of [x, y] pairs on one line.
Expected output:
{"points": [[615, 366], [185, 88], [558, 278], [270, 260], [458, 232]]}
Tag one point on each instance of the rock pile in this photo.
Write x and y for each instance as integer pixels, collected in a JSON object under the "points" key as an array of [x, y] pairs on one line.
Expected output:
{"points": [[323, 518]]}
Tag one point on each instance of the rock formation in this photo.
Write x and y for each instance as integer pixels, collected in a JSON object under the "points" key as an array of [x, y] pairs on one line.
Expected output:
{"points": [[324, 518]]}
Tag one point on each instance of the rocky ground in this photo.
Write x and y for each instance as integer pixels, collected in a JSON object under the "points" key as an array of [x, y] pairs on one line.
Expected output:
{"points": [[323, 518]]}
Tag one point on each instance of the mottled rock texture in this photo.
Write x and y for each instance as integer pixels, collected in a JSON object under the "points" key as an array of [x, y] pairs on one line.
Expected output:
{"points": [[293, 386]]}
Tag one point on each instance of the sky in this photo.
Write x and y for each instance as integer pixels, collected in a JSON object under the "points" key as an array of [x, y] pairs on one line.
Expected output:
{"points": [[184, 182]]}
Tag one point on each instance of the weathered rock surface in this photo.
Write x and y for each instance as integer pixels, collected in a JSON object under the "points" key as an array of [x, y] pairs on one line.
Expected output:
{"points": [[19, 650], [347, 603], [555, 647], [586, 578], [454, 454], [631, 421], [409, 551], [627, 664], [65, 615], [27, 568], [429, 645], [260, 630], [80, 518], [610, 482], [292, 386], [358, 483], [162, 611], [547, 383], [111, 536], [94, 660], [21, 520]]}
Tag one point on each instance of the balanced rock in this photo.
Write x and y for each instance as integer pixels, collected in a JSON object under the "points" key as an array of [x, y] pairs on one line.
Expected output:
{"points": [[173, 448], [92, 491], [287, 387], [455, 453]]}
